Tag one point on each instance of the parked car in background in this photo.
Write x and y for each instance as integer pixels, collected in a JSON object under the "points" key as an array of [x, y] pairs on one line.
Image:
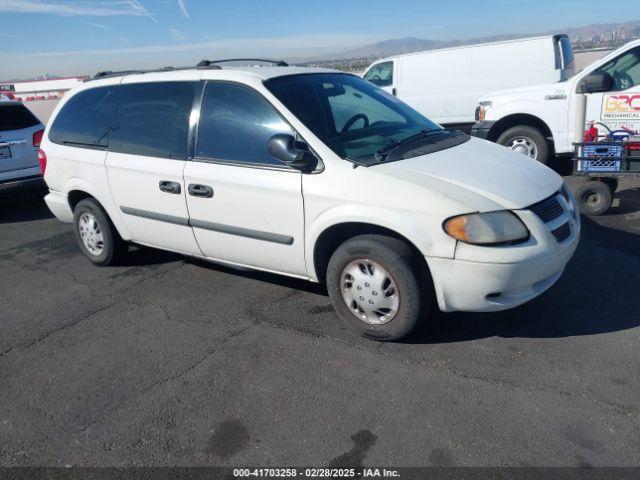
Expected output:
{"points": [[445, 85], [309, 173], [20, 136], [7, 92], [539, 121]]}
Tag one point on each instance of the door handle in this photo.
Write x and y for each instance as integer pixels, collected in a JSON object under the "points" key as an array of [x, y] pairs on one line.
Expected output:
{"points": [[204, 191], [170, 187], [394, 91]]}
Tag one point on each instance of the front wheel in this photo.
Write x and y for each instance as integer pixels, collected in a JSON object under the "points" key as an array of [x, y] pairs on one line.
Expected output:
{"points": [[526, 140], [376, 289]]}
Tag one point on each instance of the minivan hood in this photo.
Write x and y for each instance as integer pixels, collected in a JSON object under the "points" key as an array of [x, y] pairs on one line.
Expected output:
{"points": [[507, 179]]}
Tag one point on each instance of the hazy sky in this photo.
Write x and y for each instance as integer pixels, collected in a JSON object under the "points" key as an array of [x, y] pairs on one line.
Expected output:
{"points": [[78, 37]]}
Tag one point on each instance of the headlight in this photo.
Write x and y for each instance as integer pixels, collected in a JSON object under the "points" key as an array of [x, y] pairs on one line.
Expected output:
{"points": [[486, 228], [481, 111]]}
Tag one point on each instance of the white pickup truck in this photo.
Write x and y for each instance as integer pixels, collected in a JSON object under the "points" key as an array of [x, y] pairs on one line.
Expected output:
{"points": [[540, 121]]}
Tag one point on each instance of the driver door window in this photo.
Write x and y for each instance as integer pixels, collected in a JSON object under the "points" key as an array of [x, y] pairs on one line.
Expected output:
{"points": [[236, 124], [625, 70], [381, 74]]}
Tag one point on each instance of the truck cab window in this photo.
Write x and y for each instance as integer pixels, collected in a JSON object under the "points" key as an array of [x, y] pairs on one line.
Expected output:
{"points": [[625, 70], [380, 74]]}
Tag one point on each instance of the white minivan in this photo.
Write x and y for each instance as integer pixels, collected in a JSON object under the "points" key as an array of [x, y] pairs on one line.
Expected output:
{"points": [[309, 173], [445, 84]]}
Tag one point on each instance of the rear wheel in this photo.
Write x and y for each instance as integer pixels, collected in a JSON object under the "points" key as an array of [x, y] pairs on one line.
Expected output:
{"points": [[594, 197], [98, 238], [526, 140], [376, 289]]}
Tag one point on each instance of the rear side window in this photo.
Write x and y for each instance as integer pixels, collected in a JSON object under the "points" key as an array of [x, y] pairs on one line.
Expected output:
{"points": [[84, 119], [15, 116], [152, 119], [236, 124], [380, 74]]}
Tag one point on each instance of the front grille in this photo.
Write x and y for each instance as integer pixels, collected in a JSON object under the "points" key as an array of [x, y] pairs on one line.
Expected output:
{"points": [[562, 233], [548, 209]]}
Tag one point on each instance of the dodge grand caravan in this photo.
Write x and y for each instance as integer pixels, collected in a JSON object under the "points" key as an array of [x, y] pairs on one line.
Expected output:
{"points": [[313, 174]]}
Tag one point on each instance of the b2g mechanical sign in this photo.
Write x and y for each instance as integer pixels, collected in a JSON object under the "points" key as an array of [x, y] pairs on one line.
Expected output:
{"points": [[621, 107]]}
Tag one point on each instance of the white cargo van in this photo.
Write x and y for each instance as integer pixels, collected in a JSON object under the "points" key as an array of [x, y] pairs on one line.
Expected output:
{"points": [[446, 84]]}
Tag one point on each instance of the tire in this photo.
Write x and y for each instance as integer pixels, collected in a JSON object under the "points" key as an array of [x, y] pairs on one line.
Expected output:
{"points": [[593, 197], [612, 183], [404, 295], [103, 245], [523, 138]]}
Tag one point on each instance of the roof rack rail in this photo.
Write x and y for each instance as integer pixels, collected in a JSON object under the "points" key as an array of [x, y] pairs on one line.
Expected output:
{"points": [[209, 63], [109, 73], [212, 64]]}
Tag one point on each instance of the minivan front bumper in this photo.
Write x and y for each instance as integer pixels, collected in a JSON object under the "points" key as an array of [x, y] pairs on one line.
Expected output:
{"points": [[485, 279], [488, 287]]}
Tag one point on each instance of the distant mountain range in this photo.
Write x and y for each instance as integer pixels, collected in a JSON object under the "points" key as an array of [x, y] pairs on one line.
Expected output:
{"points": [[606, 31], [578, 34]]}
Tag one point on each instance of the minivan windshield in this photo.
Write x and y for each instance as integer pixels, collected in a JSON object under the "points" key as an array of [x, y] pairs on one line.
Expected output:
{"points": [[359, 121]]}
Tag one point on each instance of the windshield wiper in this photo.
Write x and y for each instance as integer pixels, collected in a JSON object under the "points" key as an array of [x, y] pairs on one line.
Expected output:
{"points": [[382, 154]]}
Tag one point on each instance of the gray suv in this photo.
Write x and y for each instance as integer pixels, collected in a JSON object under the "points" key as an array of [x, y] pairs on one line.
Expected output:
{"points": [[20, 136]]}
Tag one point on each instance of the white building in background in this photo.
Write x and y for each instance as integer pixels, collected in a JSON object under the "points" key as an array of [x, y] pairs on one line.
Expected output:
{"points": [[45, 89]]}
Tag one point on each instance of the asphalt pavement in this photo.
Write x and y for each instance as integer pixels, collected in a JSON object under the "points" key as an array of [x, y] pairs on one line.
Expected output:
{"points": [[171, 361]]}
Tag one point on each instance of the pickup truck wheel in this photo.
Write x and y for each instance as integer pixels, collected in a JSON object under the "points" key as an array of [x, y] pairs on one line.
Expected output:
{"points": [[375, 288], [98, 238], [594, 198], [526, 140]]}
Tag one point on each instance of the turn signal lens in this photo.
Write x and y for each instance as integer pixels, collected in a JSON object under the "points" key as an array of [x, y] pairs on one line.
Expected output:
{"points": [[481, 111], [487, 228], [457, 228]]}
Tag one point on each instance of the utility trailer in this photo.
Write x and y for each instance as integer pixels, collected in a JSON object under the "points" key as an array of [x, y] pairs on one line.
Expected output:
{"points": [[603, 162]]}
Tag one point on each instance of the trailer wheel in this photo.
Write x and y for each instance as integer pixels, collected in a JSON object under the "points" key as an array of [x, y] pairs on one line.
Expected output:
{"points": [[612, 183], [594, 198]]}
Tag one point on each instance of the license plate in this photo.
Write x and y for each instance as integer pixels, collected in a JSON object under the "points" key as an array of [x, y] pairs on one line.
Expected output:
{"points": [[5, 152]]}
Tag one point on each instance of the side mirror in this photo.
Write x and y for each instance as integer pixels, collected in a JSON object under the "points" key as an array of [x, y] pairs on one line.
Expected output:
{"points": [[284, 147], [596, 82]]}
